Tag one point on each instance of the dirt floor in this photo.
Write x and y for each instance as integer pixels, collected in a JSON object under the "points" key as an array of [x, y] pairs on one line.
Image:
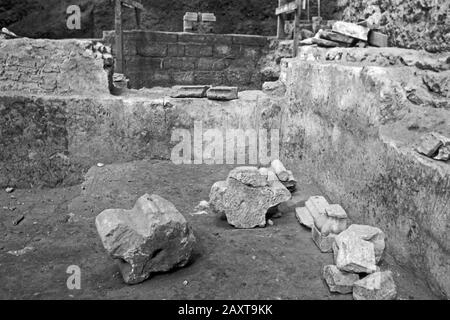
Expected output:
{"points": [[276, 262]]}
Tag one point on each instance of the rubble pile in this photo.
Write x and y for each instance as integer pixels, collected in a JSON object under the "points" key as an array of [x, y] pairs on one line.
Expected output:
{"points": [[346, 34], [356, 250]]}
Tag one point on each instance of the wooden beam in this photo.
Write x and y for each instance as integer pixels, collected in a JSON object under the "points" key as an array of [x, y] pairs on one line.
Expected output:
{"points": [[296, 26], [119, 36], [280, 22]]}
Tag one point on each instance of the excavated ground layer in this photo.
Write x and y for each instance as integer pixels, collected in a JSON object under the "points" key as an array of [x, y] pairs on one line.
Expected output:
{"points": [[354, 125]]}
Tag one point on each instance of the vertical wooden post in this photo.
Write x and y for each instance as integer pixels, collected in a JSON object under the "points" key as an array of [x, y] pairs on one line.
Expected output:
{"points": [[119, 37], [281, 21], [309, 10], [318, 8], [296, 26]]}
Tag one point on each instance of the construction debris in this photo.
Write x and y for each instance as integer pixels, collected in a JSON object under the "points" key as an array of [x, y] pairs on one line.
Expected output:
{"points": [[151, 237], [352, 254], [376, 286]]}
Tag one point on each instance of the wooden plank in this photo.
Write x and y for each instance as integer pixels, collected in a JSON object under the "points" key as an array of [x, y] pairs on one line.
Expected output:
{"points": [[281, 22], [133, 4], [287, 8], [119, 37]]}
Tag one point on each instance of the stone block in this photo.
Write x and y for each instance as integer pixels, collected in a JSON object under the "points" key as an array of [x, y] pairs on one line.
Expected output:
{"points": [[187, 77], [223, 93], [198, 50], [209, 77], [376, 286], [317, 206], [352, 254], [336, 220], [161, 36], [151, 49], [175, 50], [212, 64], [324, 243], [275, 88], [151, 237], [226, 51], [325, 43], [429, 145], [336, 37], [339, 281], [249, 40], [304, 217], [351, 30], [378, 39], [179, 63], [190, 92]]}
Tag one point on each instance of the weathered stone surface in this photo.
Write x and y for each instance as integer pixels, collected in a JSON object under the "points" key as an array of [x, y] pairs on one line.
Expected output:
{"points": [[151, 237], [317, 208], [276, 88], [244, 197], [339, 281], [367, 233], [304, 217], [352, 254], [190, 92], [336, 220], [324, 243], [351, 30], [298, 199], [325, 43], [336, 37], [429, 145], [378, 39], [222, 93], [376, 286]]}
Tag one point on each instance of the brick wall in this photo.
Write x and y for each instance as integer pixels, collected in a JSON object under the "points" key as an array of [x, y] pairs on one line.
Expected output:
{"points": [[170, 58], [40, 66]]}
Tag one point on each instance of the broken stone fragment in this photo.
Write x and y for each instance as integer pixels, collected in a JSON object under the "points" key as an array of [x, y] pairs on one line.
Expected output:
{"points": [[304, 217], [222, 93], [339, 281], [351, 30], [245, 197], [316, 206], [352, 254], [324, 243], [280, 170], [429, 145], [376, 286], [367, 233], [336, 220], [151, 237], [190, 92]]}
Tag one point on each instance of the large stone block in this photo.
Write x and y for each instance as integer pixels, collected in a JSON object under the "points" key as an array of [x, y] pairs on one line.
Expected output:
{"points": [[246, 196], [190, 92], [213, 64], [151, 237], [324, 243], [376, 286], [304, 217], [317, 206], [367, 233], [151, 49], [180, 63], [352, 254]]}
